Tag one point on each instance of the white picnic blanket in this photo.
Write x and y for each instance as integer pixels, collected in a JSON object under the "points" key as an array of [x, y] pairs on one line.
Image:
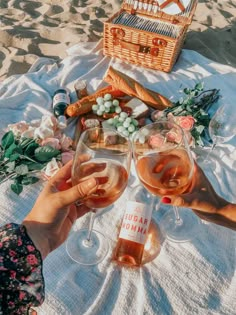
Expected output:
{"points": [[186, 278]]}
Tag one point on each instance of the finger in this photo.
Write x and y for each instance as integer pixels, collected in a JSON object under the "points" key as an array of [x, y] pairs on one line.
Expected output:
{"points": [[64, 174], [79, 191]]}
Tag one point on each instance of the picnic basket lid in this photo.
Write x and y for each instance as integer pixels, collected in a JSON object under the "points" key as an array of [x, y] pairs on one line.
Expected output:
{"points": [[174, 11]]}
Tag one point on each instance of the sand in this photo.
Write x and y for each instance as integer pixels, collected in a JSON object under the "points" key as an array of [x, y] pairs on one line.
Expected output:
{"points": [[32, 29]]}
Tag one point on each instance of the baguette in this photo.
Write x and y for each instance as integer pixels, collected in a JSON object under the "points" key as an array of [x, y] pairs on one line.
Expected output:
{"points": [[84, 105], [132, 88]]}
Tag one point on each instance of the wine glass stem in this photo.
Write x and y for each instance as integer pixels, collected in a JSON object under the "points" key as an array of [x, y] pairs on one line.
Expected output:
{"points": [[88, 242], [178, 220], [212, 148]]}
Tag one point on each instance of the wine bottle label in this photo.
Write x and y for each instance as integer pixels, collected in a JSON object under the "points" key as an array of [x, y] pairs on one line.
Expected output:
{"points": [[136, 221], [60, 98]]}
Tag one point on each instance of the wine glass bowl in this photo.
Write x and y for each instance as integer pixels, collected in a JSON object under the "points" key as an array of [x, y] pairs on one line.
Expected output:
{"points": [[165, 166], [163, 160], [105, 155], [222, 126]]}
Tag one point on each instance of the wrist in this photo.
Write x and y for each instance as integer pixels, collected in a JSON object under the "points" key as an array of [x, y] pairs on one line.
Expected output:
{"points": [[35, 233]]}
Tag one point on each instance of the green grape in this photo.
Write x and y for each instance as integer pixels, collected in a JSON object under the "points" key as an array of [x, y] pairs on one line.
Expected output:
{"points": [[126, 124], [100, 100], [102, 108], [95, 107], [99, 113], [121, 119], [121, 129], [118, 109], [131, 128], [108, 104], [115, 102], [128, 120], [107, 97], [134, 122], [123, 115], [107, 110]]}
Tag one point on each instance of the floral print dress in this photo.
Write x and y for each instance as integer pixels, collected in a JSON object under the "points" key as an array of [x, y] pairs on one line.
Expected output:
{"points": [[21, 279]]}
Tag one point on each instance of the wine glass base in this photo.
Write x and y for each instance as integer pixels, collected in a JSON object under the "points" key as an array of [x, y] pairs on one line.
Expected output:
{"points": [[86, 252], [182, 231]]}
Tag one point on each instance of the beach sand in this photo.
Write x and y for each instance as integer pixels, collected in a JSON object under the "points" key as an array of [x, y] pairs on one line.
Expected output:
{"points": [[32, 29]]}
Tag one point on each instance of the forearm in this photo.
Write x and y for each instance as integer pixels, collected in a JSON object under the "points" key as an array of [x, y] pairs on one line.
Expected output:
{"points": [[22, 284], [220, 212]]}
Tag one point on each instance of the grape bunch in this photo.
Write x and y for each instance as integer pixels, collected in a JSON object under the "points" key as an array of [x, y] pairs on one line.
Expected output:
{"points": [[124, 124]]}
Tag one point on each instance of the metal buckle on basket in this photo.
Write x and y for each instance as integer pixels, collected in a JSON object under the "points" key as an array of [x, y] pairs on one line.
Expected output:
{"points": [[144, 49]]}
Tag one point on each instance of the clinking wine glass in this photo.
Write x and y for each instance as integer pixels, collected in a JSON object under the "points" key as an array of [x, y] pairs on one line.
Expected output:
{"points": [[164, 165], [105, 154], [222, 128]]}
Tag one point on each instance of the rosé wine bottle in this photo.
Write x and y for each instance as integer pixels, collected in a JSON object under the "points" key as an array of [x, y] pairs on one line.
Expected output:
{"points": [[134, 229]]}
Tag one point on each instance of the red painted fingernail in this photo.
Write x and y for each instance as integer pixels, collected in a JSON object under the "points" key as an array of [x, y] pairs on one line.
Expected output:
{"points": [[166, 200]]}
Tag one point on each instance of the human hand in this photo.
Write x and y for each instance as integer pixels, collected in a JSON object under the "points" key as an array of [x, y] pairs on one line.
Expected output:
{"points": [[203, 199], [50, 220]]}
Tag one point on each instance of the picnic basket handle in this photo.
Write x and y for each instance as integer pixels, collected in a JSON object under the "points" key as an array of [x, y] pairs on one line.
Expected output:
{"points": [[136, 47]]}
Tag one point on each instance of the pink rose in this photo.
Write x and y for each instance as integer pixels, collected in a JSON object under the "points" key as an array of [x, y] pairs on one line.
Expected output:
{"points": [[12, 253], [156, 141], [30, 248], [22, 295], [157, 115], [67, 156], [53, 142], [19, 242], [174, 136], [66, 143], [12, 274], [32, 260], [185, 122]]}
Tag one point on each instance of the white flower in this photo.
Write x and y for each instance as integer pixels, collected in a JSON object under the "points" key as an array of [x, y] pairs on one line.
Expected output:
{"points": [[51, 168], [49, 122], [43, 132], [28, 133], [18, 128]]}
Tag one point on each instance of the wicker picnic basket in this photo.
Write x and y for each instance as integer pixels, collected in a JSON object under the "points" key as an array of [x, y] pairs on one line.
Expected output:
{"points": [[142, 34]]}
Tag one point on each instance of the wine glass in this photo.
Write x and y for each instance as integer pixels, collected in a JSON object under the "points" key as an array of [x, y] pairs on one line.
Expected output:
{"points": [[106, 154], [221, 128], [164, 165]]}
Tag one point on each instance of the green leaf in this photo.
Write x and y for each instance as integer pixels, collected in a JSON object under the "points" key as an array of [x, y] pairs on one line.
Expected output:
{"points": [[46, 153], [10, 150], [21, 169], [10, 166], [29, 151], [7, 140], [16, 188], [199, 86], [14, 157], [29, 180], [35, 166], [187, 91]]}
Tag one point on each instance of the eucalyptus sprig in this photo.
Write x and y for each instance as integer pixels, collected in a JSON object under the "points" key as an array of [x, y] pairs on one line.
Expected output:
{"points": [[21, 159], [196, 102]]}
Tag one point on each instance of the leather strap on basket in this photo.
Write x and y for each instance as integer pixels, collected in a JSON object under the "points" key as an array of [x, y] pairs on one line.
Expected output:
{"points": [[178, 2], [136, 47]]}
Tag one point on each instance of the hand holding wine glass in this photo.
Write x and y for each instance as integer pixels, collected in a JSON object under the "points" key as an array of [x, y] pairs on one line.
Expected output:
{"points": [[106, 157], [165, 167]]}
